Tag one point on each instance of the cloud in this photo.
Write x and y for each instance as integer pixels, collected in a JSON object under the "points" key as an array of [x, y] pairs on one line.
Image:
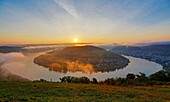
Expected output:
{"points": [[107, 20], [7, 61], [76, 66], [15, 66], [33, 47], [68, 8], [39, 47], [10, 57]]}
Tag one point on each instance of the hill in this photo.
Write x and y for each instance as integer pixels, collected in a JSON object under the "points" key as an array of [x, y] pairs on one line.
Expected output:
{"points": [[82, 58], [154, 43], [81, 50], [7, 49], [158, 47], [71, 92], [156, 53]]}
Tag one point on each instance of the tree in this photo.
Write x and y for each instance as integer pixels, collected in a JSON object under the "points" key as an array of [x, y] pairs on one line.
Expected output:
{"points": [[110, 81], [63, 79], [142, 79], [160, 76], [95, 81], [43, 80], [76, 80], [84, 80], [130, 76], [69, 79]]}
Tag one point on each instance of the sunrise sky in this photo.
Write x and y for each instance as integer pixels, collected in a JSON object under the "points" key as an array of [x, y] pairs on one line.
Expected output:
{"points": [[94, 21]]}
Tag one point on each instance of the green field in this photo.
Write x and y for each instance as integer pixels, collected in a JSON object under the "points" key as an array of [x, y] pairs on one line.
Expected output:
{"points": [[53, 92]]}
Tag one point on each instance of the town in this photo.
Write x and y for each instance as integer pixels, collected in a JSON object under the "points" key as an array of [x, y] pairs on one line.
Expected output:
{"points": [[161, 56]]}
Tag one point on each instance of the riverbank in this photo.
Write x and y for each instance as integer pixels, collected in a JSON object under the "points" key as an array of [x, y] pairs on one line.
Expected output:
{"points": [[5, 75]]}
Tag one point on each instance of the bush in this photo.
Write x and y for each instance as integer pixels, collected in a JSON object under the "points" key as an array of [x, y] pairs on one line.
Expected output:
{"points": [[109, 81], [94, 81], [85, 80], [160, 76], [157, 78], [41, 80], [69, 79], [142, 80], [130, 76]]}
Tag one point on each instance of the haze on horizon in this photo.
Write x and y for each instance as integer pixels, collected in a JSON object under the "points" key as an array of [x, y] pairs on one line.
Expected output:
{"points": [[96, 21]]}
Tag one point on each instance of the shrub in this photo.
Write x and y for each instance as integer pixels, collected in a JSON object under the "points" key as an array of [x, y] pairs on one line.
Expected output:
{"points": [[160, 76], [84, 80], [69, 79], [95, 81], [41, 80], [142, 79], [130, 76], [157, 78]]}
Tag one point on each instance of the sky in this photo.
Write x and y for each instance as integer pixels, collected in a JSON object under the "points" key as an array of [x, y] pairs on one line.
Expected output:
{"points": [[90, 21]]}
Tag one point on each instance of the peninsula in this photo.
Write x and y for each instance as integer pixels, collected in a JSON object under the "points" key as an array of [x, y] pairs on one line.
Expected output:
{"points": [[82, 58]]}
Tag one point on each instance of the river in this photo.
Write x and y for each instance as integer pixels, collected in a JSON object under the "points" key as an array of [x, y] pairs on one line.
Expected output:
{"points": [[25, 68]]}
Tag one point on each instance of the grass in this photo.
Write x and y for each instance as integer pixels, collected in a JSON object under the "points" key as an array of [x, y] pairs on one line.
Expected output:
{"points": [[52, 92]]}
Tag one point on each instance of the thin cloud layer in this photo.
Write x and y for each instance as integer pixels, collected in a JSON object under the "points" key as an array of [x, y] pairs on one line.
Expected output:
{"points": [[68, 8]]}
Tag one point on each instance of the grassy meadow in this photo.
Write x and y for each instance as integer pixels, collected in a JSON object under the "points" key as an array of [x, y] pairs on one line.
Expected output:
{"points": [[72, 92]]}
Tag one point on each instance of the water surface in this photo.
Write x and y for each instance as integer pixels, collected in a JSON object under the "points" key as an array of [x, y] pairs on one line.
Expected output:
{"points": [[25, 68]]}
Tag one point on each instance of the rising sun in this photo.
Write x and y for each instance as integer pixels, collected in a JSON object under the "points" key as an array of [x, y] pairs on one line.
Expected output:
{"points": [[75, 40]]}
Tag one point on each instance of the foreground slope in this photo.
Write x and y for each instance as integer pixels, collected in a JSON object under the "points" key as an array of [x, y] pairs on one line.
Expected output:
{"points": [[46, 91]]}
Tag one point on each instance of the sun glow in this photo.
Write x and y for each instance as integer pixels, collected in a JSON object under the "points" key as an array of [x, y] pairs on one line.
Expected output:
{"points": [[75, 40]]}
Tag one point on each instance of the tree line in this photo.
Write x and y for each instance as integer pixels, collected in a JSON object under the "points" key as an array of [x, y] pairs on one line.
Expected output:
{"points": [[158, 78]]}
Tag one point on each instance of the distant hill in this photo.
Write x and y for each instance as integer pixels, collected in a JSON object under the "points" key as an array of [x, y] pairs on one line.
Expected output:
{"points": [[7, 49], [126, 47], [82, 58], [24, 49], [158, 47], [150, 47], [154, 43], [156, 53]]}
